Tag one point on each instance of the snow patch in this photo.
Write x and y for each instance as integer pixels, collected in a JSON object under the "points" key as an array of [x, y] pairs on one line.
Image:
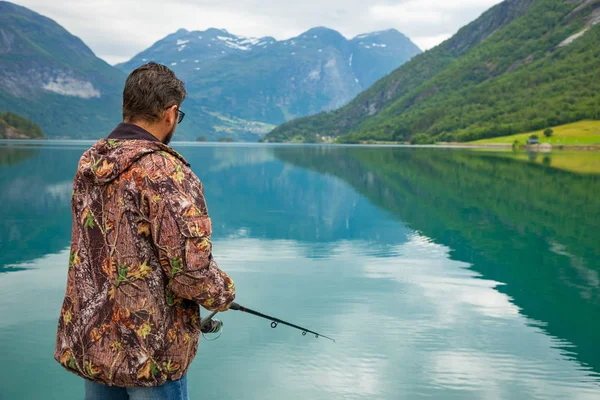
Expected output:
{"points": [[364, 35], [144, 59], [68, 86], [196, 61], [237, 46], [181, 47], [199, 37], [320, 50], [197, 69], [350, 60], [180, 42], [331, 63], [356, 80], [379, 45], [173, 63], [293, 54], [239, 43], [250, 41], [367, 47]]}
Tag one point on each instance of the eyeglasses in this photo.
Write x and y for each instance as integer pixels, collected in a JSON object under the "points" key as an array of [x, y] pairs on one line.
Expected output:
{"points": [[180, 113]]}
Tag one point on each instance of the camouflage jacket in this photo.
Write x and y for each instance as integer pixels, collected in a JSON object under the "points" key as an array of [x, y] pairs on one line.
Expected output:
{"points": [[140, 265]]}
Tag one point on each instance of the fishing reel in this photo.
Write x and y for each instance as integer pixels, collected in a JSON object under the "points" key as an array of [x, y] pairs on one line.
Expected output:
{"points": [[212, 326]]}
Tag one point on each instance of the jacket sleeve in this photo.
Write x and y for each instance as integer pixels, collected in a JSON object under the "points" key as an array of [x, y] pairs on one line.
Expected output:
{"points": [[181, 230]]}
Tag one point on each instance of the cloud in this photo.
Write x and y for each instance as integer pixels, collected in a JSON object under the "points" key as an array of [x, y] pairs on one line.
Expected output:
{"points": [[117, 30]]}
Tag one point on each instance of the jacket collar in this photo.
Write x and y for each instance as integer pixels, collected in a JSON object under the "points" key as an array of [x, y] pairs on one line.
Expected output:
{"points": [[131, 132]]}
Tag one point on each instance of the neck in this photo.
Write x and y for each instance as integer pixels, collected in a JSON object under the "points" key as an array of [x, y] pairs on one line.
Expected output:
{"points": [[150, 128]]}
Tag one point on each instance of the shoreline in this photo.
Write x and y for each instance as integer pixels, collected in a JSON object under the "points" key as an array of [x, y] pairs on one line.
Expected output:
{"points": [[490, 146], [535, 147], [458, 145]]}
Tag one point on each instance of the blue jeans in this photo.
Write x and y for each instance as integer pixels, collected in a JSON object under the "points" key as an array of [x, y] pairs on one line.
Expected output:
{"points": [[172, 390]]}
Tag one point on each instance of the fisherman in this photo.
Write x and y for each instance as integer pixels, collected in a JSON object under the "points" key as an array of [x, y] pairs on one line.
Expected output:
{"points": [[141, 258]]}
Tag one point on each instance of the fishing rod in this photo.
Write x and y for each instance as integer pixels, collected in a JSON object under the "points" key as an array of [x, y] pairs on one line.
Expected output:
{"points": [[215, 326]]}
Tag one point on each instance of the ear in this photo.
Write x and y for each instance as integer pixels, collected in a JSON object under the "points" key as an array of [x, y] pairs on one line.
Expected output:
{"points": [[170, 115]]}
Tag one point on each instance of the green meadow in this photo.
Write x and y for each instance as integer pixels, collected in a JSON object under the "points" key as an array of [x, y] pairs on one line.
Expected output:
{"points": [[580, 133]]}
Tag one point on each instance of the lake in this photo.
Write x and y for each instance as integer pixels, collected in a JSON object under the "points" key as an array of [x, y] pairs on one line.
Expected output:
{"points": [[441, 273]]}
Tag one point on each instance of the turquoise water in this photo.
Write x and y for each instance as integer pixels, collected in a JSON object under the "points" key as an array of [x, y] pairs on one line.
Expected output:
{"points": [[447, 274]]}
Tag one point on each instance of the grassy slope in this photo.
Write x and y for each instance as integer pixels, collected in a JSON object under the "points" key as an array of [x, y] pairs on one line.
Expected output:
{"points": [[578, 133], [481, 95]]}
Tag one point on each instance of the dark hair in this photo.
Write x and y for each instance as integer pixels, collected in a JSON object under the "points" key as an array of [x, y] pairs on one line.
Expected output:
{"points": [[149, 90]]}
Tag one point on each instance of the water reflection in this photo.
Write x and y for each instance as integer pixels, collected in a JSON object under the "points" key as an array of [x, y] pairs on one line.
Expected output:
{"points": [[417, 324], [35, 196], [505, 217], [440, 274], [13, 156]]}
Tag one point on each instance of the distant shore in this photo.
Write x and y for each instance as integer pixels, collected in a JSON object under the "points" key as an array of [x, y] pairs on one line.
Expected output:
{"points": [[535, 147]]}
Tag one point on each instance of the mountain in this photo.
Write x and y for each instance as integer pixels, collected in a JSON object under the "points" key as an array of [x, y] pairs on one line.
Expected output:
{"points": [[239, 88], [185, 51], [53, 78], [523, 65], [263, 81], [13, 126]]}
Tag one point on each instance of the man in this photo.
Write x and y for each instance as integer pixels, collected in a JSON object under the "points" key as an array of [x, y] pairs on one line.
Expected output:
{"points": [[141, 261]]}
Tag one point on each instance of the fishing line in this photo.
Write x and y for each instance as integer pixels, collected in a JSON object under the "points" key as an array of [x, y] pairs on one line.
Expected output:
{"points": [[236, 307]]}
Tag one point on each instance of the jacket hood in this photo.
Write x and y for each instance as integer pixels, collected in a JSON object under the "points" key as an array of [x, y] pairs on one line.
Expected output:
{"points": [[106, 160]]}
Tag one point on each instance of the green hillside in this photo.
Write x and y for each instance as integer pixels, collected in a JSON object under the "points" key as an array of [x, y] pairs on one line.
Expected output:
{"points": [[51, 77], [509, 71], [13, 126]]}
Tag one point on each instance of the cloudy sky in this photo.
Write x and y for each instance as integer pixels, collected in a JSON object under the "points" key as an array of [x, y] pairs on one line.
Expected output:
{"points": [[116, 30]]}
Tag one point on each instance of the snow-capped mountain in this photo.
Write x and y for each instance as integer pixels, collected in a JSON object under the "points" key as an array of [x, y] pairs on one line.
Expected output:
{"points": [[239, 87], [183, 49], [272, 81]]}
